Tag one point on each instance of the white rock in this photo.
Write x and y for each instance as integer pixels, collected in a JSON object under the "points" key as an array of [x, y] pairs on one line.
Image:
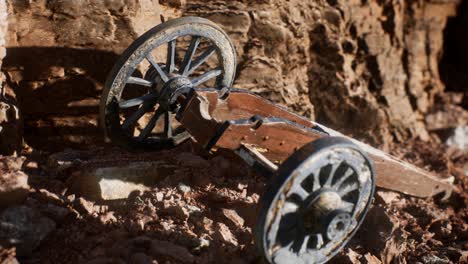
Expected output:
{"points": [[116, 182], [183, 187], [459, 139]]}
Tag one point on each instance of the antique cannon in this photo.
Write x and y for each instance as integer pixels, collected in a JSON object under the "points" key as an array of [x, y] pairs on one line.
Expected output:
{"points": [[322, 182]]}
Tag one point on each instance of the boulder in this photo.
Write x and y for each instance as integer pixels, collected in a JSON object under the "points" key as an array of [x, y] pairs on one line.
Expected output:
{"points": [[24, 228], [111, 182]]}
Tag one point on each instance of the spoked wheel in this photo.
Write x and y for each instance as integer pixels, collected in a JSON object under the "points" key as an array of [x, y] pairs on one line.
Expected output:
{"points": [[139, 98], [316, 203]]}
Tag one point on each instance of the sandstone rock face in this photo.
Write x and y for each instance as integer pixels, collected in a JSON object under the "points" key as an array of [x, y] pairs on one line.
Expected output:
{"points": [[59, 54], [10, 127], [10, 121], [369, 68]]}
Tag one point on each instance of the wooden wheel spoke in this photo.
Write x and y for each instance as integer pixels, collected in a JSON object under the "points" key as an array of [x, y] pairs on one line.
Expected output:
{"points": [[136, 101], [332, 174], [167, 125], [186, 64], [289, 207], [156, 66], [132, 119], [151, 124], [181, 137], [347, 174], [301, 192], [319, 241], [139, 81], [206, 77], [201, 59], [171, 53], [348, 188], [305, 241], [347, 206], [316, 180]]}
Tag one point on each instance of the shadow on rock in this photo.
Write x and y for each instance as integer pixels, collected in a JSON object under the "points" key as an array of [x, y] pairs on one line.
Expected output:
{"points": [[58, 92]]}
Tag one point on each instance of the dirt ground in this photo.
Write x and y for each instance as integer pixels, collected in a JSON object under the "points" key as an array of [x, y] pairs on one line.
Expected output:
{"points": [[205, 212]]}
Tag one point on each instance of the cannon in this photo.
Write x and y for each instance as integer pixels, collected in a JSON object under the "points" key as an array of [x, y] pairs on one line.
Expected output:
{"points": [[174, 83]]}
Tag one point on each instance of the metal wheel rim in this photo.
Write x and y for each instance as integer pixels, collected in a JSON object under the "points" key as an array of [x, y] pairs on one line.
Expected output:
{"points": [[273, 202]]}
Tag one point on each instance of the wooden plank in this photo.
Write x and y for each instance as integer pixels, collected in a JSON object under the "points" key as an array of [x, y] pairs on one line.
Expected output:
{"points": [[398, 175], [210, 120]]}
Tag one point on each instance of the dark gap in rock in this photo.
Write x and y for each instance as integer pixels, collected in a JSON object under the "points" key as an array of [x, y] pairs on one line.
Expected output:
{"points": [[453, 65], [388, 24]]}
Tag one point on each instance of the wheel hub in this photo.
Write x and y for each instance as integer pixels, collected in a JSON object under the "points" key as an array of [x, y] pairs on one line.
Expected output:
{"points": [[338, 223], [169, 91], [324, 215]]}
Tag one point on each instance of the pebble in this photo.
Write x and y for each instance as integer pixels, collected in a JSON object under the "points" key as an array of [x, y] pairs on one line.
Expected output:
{"points": [[183, 188], [433, 259], [233, 217], [371, 259], [108, 217], [51, 197], [224, 234], [192, 209], [159, 196], [387, 196], [83, 206]]}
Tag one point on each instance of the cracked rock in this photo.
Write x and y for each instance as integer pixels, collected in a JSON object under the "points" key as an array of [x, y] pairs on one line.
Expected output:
{"points": [[116, 182]]}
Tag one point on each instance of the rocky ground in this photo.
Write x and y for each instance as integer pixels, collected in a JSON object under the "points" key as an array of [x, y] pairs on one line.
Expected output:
{"points": [[185, 206]]}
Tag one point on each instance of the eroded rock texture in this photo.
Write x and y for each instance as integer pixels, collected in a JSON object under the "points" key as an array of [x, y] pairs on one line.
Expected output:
{"points": [[369, 68], [10, 123]]}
